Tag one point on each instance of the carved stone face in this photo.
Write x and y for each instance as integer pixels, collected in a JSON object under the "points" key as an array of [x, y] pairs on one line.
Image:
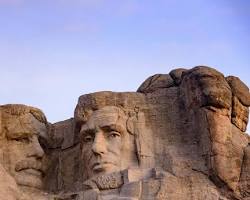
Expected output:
{"points": [[23, 153], [107, 146]]}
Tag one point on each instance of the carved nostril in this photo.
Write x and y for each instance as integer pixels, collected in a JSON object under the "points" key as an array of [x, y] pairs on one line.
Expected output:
{"points": [[98, 148]]}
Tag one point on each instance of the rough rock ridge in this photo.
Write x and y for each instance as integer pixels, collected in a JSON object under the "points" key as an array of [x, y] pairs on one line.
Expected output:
{"points": [[179, 136]]}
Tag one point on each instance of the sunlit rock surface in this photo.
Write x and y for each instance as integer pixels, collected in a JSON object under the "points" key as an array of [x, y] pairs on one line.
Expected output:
{"points": [[180, 136]]}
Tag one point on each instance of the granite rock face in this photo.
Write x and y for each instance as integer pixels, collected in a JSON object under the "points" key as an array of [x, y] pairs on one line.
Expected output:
{"points": [[180, 136], [22, 152]]}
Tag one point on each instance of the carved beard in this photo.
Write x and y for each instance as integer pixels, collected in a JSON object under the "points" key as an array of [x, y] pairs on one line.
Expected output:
{"points": [[105, 182]]}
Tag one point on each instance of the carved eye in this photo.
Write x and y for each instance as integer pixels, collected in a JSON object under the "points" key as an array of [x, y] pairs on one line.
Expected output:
{"points": [[88, 138], [22, 140], [114, 134]]}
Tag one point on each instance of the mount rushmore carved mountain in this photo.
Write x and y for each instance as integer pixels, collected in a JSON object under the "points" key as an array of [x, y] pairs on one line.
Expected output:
{"points": [[180, 136]]}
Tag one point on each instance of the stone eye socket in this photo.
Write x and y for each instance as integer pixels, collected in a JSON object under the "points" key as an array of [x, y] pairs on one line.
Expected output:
{"points": [[87, 138], [22, 140], [114, 134]]}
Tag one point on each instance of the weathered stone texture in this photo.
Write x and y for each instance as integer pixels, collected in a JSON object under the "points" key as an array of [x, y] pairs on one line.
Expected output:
{"points": [[8, 187], [240, 114], [23, 131], [245, 174], [63, 155], [156, 82], [239, 89], [181, 136], [176, 75]]}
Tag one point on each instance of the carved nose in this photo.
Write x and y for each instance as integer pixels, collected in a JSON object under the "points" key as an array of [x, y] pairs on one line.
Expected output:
{"points": [[99, 144], [35, 149]]}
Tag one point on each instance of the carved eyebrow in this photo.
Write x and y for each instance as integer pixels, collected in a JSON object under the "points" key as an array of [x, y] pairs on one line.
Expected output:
{"points": [[86, 130], [113, 127], [11, 136]]}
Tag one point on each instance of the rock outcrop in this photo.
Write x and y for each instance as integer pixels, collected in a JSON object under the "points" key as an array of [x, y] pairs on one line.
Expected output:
{"points": [[180, 136]]}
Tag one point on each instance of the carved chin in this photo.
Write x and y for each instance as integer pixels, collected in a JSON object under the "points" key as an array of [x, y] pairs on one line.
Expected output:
{"points": [[29, 179]]}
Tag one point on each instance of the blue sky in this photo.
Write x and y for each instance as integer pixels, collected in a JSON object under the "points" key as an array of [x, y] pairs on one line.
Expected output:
{"points": [[52, 51]]}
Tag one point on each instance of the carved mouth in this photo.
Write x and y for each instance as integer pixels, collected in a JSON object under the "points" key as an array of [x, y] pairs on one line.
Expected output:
{"points": [[101, 166], [30, 166]]}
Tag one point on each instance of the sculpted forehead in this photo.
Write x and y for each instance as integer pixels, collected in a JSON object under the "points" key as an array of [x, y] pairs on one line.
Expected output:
{"points": [[107, 116], [24, 125]]}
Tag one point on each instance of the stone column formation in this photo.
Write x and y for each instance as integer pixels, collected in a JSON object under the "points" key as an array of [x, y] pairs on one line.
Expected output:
{"points": [[180, 136]]}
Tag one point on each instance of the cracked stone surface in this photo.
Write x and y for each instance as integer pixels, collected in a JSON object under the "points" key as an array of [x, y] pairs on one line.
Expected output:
{"points": [[180, 136]]}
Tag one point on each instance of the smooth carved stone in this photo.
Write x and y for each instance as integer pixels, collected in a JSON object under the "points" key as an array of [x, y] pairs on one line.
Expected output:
{"points": [[68, 129], [240, 114], [70, 166], [53, 177], [55, 137], [64, 165], [156, 82], [90, 195], [131, 190], [132, 175], [176, 75], [239, 89]]}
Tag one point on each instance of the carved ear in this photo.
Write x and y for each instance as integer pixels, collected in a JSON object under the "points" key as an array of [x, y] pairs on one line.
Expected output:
{"points": [[133, 119], [144, 143], [131, 125], [136, 126]]}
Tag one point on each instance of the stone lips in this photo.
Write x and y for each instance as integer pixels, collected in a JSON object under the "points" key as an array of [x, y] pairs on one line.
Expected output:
{"points": [[29, 164]]}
